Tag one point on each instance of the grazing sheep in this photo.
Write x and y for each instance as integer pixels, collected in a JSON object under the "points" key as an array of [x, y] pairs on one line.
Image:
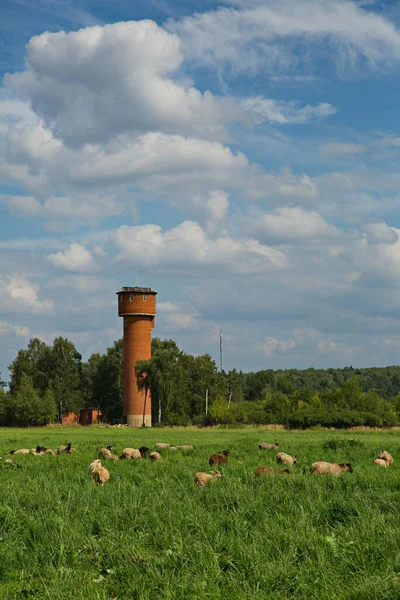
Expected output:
{"points": [[219, 459], [384, 455], [186, 447], [21, 451], [324, 468], [286, 459], [162, 446], [98, 473], [380, 462], [266, 446], [203, 479], [154, 456], [271, 471], [135, 453], [105, 452], [66, 449], [50, 452]]}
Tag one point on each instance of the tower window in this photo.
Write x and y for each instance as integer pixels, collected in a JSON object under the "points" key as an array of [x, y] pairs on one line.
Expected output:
{"points": [[130, 298], [144, 298]]}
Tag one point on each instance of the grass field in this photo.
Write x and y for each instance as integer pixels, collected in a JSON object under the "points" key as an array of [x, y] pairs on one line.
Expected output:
{"points": [[151, 534]]}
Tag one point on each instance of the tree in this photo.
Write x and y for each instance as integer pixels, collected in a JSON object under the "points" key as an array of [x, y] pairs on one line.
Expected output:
{"points": [[25, 403], [2, 383], [65, 376], [35, 362], [107, 390]]}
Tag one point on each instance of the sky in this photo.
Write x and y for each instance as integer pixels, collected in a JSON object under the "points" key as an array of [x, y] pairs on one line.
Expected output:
{"points": [[240, 157]]}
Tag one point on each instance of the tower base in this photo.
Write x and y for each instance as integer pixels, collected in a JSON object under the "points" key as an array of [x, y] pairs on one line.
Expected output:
{"points": [[137, 420]]}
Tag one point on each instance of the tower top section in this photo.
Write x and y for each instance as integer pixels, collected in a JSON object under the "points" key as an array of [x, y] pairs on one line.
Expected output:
{"points": [[136, 301]]}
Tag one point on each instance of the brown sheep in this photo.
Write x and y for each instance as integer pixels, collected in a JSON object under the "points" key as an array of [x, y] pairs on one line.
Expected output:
{"points": [[98, 473], [380, 462], [266, 446], [284, 458], [271, 471], [219, 459], [154, 456], [66, 449], [327, 468], [203, 479], [384, 455]]}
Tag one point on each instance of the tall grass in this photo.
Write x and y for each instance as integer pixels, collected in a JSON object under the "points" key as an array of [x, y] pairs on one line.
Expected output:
{"points": [[150, 533]]}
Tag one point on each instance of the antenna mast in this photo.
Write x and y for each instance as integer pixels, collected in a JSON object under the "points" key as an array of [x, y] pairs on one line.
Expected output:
{"points": [[220, 349]]}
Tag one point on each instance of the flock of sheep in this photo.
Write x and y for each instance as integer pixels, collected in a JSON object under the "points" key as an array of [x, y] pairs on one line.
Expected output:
{"points": [[101, 475]]}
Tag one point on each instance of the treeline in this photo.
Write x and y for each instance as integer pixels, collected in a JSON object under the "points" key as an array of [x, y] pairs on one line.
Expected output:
{"points": [[48, 381]]}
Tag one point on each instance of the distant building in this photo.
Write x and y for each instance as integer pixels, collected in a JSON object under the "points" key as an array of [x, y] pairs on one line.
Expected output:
{"points": [[89, 416], [70, 418]]}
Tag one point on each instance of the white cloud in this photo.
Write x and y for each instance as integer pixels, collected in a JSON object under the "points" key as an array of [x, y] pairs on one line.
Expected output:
{"points": [[10, 330], [14, 112], [186, 246], [310, 341], [92, 84], [281, 112], [18, 294], [266, 35], [74, 258], [289, 225]]}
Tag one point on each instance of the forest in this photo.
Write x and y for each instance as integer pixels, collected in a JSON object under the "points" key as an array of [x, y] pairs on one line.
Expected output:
{"points": [[47, 381]]}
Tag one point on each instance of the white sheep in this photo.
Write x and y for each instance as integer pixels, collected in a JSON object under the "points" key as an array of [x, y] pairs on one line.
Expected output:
{"points": [[50, 452], [154, 456], [162, 446], [380, 462], [135, 453], [105, 452], [327, 468], [21, 451], [203, 479], [266, 446], [384, 455], [98, 473], [186, 447], [284, 458]]}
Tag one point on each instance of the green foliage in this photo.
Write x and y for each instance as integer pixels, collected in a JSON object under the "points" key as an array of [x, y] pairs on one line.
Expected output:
{"points": [[25, 406]]}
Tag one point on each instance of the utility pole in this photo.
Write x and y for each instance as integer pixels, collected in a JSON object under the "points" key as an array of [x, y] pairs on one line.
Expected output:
{"points": [[220, 350], [230, 398]]}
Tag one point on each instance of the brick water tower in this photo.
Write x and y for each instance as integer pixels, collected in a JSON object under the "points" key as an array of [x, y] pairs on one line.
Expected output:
{"points": [[137, 306]]}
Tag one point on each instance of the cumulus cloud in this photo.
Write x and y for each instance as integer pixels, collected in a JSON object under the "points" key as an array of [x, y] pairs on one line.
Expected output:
{"points": [[92, 84], [74, 258], [186, 246], [14, 112], [289, 225], [308, 340], [10, 330], [252, 36], [267, 110], [19, 294]]}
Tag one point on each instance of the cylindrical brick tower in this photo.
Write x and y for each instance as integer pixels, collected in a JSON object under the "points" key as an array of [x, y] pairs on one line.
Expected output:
{"points": [[137, 306]]}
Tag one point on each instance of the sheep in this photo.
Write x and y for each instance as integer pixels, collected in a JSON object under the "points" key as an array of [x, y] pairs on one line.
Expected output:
{"points": [[219, 459], [66, 449], [271, 471], [20, 451], [135, 453], [186, 447], [380, 462], [98, 473], [105, 452], [50, 451], [172, 448], [154, 456], [203, 479], [162, 446], [266, 446], [284, 458], [324, 468], [384, 455]]}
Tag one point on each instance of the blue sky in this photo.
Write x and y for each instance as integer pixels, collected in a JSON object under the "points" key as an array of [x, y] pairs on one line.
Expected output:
{"points": [[240, 157]]}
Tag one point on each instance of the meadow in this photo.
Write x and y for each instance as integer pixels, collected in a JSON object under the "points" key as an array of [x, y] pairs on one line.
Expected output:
{"points": [[149, 533]]}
